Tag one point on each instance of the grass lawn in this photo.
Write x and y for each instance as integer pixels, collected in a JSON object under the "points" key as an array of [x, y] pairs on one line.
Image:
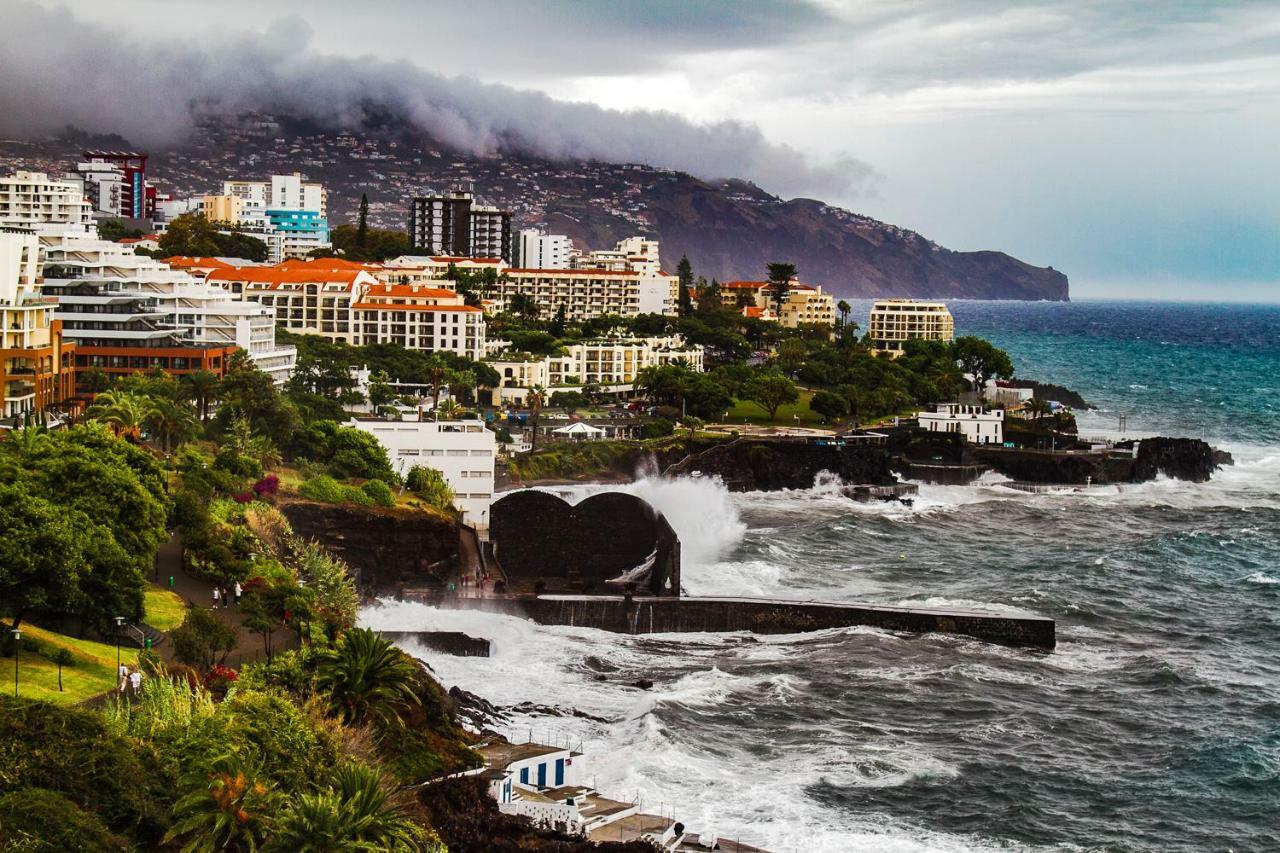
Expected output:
{"points": [[165, 610], [93, 672], [747, 412]]}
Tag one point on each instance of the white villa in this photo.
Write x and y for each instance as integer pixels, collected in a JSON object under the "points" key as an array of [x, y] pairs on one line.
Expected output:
{"points": [[978, 424]]}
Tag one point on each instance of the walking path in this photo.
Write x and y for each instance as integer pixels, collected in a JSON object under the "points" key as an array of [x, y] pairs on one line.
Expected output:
{"points": [[199, 593]]}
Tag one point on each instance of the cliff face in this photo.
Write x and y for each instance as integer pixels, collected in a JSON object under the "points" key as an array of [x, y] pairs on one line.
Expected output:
{"points": [[385, 548], [1179, 458], [749, 466]]}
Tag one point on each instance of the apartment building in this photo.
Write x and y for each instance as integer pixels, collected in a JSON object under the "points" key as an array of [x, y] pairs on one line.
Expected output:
{"points": [[805, 304], [123, 175], [893, 322], [586, 294], [453, 224], [634, 254], [463, 451], [34, 200], [37, 368], [344, 301], [611, 363], [537, 250], [287, 213]]}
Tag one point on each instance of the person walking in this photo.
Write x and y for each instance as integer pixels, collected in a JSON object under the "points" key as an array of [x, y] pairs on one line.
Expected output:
{"points": [[217, 597], [239, 592], [122, 676], [135, 682]]}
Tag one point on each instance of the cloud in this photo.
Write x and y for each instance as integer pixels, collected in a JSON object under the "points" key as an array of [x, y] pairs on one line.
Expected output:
{"points": [[60, 70]]}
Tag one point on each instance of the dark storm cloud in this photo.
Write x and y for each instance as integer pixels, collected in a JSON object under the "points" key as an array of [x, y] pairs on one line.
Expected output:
{"points": [[58, 70]]}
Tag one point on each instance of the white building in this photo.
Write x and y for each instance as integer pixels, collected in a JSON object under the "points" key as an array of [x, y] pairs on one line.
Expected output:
{"points": [[589, 293], [463, 451], [33, 200], [544, 251], [287, 213], [634, 254], [978, 424], [893, 322], [103, 186], [36, 369], [611, 363]]}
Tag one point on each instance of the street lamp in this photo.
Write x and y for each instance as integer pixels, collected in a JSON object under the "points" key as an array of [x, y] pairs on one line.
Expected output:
{"points": [[119, 625], [17, 635]]}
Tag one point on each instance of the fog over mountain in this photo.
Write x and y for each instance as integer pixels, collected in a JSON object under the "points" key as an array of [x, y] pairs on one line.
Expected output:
{"points": [[60, 70]]}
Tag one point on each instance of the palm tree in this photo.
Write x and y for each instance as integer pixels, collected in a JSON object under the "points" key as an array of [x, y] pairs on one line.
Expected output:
{"points": [[203, 388], [843, 307], [243, 440], [436, 374], [173, 423], [1037, 408], [367, 678], [29, 441], [462, 383], [536, 400], [124, 412], [354, 812], [228, 808], [449, 410]]}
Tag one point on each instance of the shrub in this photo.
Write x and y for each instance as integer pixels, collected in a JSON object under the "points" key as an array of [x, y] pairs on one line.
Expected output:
{"points": [[202, 640], [657, 428], [379, 492], [430, 486], [36, 820], [268, 485], [322, 488]]}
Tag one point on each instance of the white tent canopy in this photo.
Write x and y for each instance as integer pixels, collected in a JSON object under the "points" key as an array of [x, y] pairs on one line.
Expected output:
{"points": [[578, 429]]}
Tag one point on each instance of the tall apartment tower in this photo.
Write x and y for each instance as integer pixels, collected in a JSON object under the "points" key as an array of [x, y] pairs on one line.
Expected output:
{"points": [[453, 224], [132, 165]]}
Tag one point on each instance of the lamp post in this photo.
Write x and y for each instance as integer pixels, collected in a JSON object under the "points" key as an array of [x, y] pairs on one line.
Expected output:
{"points": [[119, 625], [17, 635]]}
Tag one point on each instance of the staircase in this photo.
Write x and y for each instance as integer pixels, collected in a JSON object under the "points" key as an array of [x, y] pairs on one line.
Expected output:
{"points": [[139, 634]]}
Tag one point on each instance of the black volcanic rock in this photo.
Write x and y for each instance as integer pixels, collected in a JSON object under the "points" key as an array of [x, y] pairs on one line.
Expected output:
{"points": [[1179, 458], [764, 466]]}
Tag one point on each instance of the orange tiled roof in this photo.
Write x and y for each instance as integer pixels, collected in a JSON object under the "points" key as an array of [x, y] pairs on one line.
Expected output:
{"points": [[753, 311], [278, 275], [409, 290], [744, 285], [325, 264], [398, 306], [190, 261]]}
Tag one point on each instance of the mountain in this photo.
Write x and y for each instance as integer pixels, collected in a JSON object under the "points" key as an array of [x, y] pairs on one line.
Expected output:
{"points": [[729, 229]]}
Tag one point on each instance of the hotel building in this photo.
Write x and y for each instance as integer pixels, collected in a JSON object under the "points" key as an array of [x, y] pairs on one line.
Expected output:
{"points": [[589, 293], [536, 250], [893, 322], [287, 213], [37, 367], [805, 304]]}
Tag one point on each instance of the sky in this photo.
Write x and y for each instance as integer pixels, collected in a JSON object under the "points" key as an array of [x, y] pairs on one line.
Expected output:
{"points": [[1131, 145]]}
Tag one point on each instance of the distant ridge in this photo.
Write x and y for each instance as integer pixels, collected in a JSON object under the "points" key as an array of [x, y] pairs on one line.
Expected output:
{"points": [[729, 229]]}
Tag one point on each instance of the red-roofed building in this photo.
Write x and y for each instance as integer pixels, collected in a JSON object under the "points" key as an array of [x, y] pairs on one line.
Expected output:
{"points": [[806, 304]]}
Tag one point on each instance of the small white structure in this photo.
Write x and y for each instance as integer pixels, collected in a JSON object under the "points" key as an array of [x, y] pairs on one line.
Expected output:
{"points": [[579, 431], [463, 451], [1000, 391], [977, 424]]}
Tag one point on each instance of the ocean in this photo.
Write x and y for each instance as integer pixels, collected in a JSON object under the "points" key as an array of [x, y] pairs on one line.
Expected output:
{"points": [[1154, 725]]}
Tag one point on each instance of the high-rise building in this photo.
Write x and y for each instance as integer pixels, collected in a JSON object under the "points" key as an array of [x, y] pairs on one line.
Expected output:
{"points": [[893, 322], [454, 225], [540, 251], [34, 200], [132, 167], [36, 365], [287, 213]]}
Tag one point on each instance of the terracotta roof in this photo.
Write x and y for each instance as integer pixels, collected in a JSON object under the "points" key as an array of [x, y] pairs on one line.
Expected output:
{"points": [[752, 311], [188, 261], [325, 264], [276, 275], [744, 285], [408, 290], [397, 306]]}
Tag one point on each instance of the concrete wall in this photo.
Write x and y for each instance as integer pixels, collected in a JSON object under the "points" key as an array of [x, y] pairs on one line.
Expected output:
{"points": [[763, 616]]}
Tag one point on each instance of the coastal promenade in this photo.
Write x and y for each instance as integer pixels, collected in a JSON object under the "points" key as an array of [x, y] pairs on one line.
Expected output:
{"points": [[662, 615]]}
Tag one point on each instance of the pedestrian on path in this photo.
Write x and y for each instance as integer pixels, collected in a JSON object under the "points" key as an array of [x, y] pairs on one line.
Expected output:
{"points": [[239, 592], [217, 597], [122, 676], [135, 682]]}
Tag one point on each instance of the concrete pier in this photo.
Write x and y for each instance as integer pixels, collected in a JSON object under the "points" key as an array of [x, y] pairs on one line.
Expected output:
{"points": [[662, 615]]}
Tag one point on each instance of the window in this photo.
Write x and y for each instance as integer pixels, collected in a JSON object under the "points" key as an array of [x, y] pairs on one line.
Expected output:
{"points": [[408, 452]]}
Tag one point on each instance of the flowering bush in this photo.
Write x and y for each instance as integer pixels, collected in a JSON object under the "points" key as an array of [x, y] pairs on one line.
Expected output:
{"points": [[244, 498], [268, 485], [218, 679]]}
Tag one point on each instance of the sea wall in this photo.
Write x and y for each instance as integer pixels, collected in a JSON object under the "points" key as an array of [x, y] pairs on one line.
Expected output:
{"points": [[386, 548], [650, 615]]}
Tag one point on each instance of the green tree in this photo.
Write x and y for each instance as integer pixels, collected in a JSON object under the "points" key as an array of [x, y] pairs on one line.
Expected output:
{"points": [[202, 640], [366, 678], [230, 806], [354, 812], [831, 406], [771, 391], [780, 276], [124, 412], [94, 380], [843, 307], [982, 361], [684, 270], [535, 400], [430, 486], [193, 234], [381, 394], [202, 386], [43, 559], [362, 223], [172, 423], [524, 306]]}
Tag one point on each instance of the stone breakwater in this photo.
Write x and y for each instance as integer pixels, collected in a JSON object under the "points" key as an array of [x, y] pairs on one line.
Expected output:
{"points": [[664, 615]]}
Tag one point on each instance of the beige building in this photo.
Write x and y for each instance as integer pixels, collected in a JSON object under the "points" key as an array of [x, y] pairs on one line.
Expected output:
{"points": [[36, 366], [31, 199], [806, 304], [587, 294], [611, 363], [893, 322]]}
